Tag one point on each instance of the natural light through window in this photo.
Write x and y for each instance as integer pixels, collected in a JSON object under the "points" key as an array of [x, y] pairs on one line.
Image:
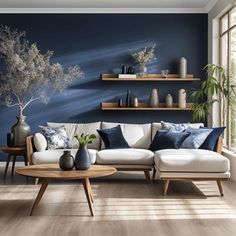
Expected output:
{"points": [[228, 61]]}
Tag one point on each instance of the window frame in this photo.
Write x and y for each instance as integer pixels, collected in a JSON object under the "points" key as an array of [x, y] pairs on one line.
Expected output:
{"points": [[228, 31]]}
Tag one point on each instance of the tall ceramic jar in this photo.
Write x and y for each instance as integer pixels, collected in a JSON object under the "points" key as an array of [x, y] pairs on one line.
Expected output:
{"points": [[169, 100], [82, 158], [182, 98], [183, 67], [20, 132], [153, 98]]}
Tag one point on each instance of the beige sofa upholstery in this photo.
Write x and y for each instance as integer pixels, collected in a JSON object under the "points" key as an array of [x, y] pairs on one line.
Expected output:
{"points": [[131, 156], [53, 156], [190, 160], [169, 163]]}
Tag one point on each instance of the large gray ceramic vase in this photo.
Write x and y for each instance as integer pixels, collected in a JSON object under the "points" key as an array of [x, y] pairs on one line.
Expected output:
{"points": [[82, 158], [153, 98], [20, 132]]}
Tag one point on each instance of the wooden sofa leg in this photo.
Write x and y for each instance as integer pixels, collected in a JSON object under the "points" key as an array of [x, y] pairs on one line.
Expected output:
{"points": [[154, 173], [220, 187], [147, 175], [36, 181], [166, 185]]}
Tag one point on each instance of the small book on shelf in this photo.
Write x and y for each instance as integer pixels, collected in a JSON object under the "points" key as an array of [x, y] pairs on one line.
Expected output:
{"points": [[127, 76]]}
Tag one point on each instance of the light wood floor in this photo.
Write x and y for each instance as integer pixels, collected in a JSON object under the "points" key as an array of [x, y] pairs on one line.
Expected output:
{"points": [[124, 205]]}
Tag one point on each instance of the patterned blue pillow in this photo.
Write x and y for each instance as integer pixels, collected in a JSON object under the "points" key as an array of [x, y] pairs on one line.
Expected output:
{"points": [[196, 137], [57, 138], [174, 127]]}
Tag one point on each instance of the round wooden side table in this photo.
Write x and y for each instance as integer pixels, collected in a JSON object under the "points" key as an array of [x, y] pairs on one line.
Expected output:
{"points": [[13, 152]]}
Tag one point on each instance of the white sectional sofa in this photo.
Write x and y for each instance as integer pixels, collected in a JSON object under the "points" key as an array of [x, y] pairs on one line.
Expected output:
{"points": [[169, 164]]}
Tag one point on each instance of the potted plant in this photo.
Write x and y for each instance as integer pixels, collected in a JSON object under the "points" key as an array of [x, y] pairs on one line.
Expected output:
{"points": [[218, 88], [82, 157], [144, 56], [28, 75]]}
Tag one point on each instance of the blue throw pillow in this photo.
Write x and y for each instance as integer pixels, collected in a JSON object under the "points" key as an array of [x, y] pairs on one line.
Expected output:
{"points": [[113, 138], [168, 140], [210, 142], [196, 137]]}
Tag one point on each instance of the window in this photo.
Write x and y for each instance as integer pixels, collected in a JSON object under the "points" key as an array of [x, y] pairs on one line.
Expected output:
{"points": [[228, 61]]}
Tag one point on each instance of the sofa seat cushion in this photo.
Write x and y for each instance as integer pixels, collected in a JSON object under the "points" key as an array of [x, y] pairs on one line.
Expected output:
{"points": [[125, 156], [190, 160], [53, 156]]}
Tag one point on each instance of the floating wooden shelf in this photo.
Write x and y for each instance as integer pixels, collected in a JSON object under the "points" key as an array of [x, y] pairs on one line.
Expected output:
{"points": [[149, 77], [113, 106]]}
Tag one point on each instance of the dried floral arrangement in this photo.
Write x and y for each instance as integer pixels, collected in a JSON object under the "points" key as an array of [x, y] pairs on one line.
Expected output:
{"points": [[28, 74], [145, 55]]}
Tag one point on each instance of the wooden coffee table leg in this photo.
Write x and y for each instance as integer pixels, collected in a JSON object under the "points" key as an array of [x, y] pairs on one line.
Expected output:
{"points": [[40, 194], [87, 189], [90, 190]]}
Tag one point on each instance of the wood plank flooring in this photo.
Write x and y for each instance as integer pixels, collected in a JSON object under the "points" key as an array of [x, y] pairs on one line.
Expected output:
{"points": [[124, 204]]}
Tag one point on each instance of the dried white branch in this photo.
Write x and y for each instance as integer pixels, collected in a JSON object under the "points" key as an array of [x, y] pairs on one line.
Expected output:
{"points": [[29, 73]]}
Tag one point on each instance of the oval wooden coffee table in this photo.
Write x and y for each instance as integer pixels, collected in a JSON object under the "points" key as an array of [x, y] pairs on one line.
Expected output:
{"points": [[47, 172]]}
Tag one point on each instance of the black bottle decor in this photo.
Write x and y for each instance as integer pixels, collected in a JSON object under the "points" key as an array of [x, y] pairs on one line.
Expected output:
{"points": [[128, 102], [82, 158], [66, 161], [130, 70], [124, 69]]}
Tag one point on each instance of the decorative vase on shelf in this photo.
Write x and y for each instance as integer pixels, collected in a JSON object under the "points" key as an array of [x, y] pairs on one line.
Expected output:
{"points": [[128, 101], [135, 102], [169, 100], [153, 98], [182, 98], [142, 69], [183, 68], [66, 161], [20, 131], [82, 158]]}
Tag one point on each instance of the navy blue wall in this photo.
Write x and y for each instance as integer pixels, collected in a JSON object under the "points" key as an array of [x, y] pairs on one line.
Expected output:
{"points": [[100, 43]]}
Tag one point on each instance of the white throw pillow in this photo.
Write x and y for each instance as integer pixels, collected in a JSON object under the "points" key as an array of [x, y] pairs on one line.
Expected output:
{"points": [[40, 142]]}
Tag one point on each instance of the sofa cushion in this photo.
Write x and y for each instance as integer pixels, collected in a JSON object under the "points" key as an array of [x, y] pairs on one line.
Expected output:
{"points": [[40, 142], [190, 160], [196, 137], [167, 139], [210, 141], [136, 135], [86, 128], [56, 137], [53, 156], [165, 125], [113, 138], [127, 156]]}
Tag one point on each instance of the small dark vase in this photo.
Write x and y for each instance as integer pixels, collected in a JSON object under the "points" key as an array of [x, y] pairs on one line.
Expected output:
{"points": [[20, 131], [128, 101], [82, 158], [10, 140], [66, 161]]}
